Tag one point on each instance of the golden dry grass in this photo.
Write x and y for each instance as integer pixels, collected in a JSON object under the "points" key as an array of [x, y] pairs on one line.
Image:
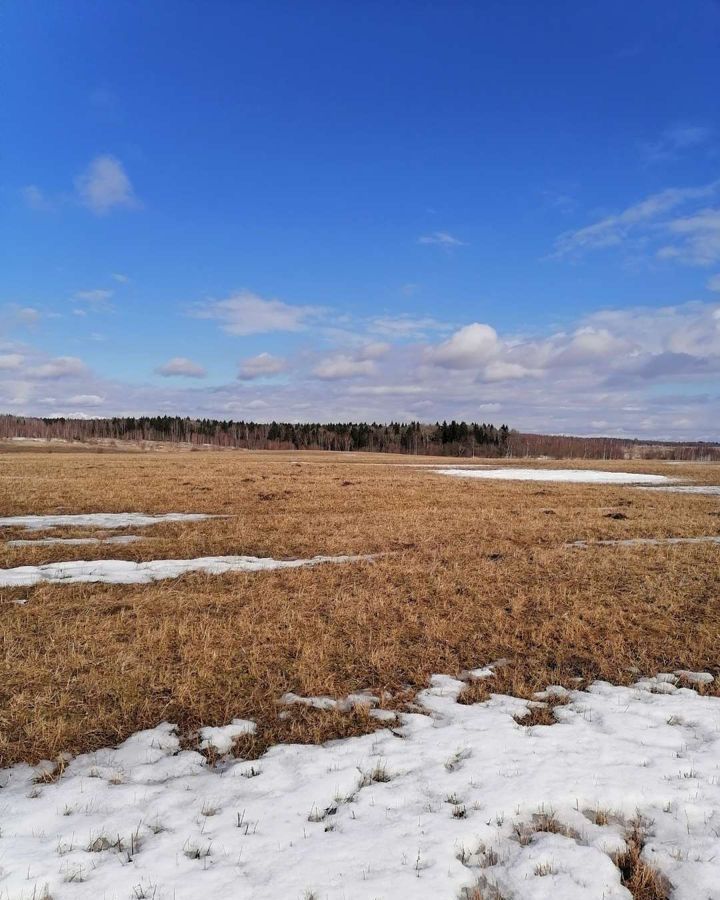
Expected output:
{"points": [[474, 571]]}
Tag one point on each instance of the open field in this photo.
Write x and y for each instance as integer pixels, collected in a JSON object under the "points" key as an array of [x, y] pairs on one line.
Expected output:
{"points": [[471, 571], [450, 785]]}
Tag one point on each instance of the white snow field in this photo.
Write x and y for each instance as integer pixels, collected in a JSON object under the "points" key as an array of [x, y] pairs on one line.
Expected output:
{"points": [[451, 797], [99, 520], [573, 476], [120, 571]]}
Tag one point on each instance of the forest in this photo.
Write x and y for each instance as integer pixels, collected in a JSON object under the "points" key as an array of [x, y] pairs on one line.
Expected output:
{"points": [[459, 439]]}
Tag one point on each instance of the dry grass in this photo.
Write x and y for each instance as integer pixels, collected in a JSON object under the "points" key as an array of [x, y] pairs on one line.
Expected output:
{"points": [[643, 882], [476, 571]]}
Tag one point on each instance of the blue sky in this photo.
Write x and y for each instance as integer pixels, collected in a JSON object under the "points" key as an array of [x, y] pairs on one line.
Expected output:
{"points": [[325, 210]]}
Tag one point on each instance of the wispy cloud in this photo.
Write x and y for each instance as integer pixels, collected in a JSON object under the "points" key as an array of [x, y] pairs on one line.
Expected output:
{"points": [[95, 296], [246, 313], [102, 187], [405, 326], [613, 230], [35, 198], [697, 239], [441, 239], [674, 140], [105, 185]]}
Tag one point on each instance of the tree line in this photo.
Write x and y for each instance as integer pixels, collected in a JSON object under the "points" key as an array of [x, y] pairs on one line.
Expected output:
{"points": [[446, 438], [452, 438]]}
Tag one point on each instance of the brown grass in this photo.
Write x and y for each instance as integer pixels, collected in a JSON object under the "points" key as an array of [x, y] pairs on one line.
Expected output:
{"points": [[643, 882], [476, 571]]}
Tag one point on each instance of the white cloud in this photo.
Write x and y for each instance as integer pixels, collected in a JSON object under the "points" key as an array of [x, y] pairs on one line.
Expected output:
{"points": [[35, 198], [59, 367], [342, 366], [470, 347], [713, 283], [386, 390], [441, 239], [504, 371], [182, 367], [10, 361], [28, 315], [86, 400], [615, 229], [404, 326], [264, 364], [647, 371], [675, 140], [374, 350], [97, 296], [105, 186], [588, 344], [120, 278], [699, 239], [247, 313]]}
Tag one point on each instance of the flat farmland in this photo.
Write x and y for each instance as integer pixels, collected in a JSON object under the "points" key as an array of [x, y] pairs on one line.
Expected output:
{"points": [[463, 572]]}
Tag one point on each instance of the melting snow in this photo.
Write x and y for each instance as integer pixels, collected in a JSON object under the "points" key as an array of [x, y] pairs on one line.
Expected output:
{"points": [[421, 811], [37, 542], [710, 489], [99, 520], [119, 571], [576, 476]]}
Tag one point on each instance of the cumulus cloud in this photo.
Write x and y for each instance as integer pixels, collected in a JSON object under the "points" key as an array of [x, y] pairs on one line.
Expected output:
{"points": [[105, 185], [441, 239], [262, 365], [470, 347], [642, 372], [247, 313], [181, 366], [588, 344]]}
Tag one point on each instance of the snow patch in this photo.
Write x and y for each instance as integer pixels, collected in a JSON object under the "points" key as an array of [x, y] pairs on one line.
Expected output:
{"points": [[222, 738], [571, 476], [711, 489], [99, 520], [119, 571], [363, 699], [37, 542], [456, 795]]}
